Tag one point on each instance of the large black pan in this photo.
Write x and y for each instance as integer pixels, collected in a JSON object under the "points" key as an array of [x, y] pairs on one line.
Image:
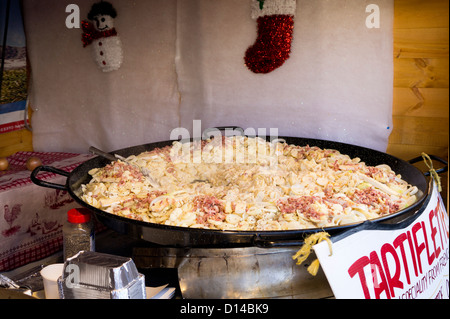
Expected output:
{"points": [[192, 237]]}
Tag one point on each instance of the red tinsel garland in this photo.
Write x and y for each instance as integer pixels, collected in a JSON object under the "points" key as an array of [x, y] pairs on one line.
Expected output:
{"points": [[273, 44]]}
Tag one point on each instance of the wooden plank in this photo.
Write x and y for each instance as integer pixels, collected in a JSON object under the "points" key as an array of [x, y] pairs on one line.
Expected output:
{"points": [[15, 141], [418, 138], [10, 138], [430, 102], [421, 14], [421, 43], [436, 36], [421, 124], [421, 73], [420, 131], [420, 102]]}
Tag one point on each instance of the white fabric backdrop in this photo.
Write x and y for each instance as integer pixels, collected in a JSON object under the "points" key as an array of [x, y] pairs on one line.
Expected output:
{"points": [[184, 61]]}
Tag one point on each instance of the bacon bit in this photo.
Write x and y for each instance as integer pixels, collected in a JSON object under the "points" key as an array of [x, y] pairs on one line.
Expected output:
{"points": [[328, 191], [372, 171], [368, 196], [170, 169], [300, 204], [393, 207], [335, 166], [376, 172], [371, 197], [329, 152], [152, 195], [142, 202], [337, 201], [211, 207], [162, 151], [117, 169]]}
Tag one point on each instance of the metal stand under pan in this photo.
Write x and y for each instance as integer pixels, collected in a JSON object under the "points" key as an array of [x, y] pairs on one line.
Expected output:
{"points": [[233, 273]]}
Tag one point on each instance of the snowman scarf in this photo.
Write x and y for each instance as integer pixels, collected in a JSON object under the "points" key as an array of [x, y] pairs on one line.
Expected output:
{"points": [[90, 33]]}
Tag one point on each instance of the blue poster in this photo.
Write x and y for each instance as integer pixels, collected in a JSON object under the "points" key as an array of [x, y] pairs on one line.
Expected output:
{"points": [[13, 67]]}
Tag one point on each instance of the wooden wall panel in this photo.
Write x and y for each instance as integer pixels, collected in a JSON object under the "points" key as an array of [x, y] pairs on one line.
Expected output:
{"points": [[421, 14], [421, 77], [15, 141], [418, 43], [430, 102], [421, 72]]}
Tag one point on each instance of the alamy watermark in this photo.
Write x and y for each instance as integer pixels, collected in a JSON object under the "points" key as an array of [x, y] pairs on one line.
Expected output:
{"points": [[73, 276]]}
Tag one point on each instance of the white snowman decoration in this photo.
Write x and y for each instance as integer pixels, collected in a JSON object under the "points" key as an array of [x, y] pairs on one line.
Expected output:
{"points": [[101, 35]]}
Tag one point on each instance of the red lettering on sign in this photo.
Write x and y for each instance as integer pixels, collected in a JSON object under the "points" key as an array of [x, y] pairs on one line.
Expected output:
{"points": [[437, 251], [419, 248], [398, 242], [381, 286], [393, 281], [413, 255], [358, 268], [430, 257]]}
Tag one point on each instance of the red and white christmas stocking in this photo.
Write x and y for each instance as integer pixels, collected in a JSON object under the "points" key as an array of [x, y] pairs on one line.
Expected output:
{"points": [[275, 21]]}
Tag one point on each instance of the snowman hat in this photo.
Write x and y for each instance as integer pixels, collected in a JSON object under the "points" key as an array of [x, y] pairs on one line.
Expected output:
{"points": [[102, 8]]}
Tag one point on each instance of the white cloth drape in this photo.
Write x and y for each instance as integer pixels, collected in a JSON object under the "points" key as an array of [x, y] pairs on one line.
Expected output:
{"points": [[184, 61]]}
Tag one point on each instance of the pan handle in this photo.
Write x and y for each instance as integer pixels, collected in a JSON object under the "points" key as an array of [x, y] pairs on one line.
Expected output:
{"points": [[50, 169], [98, 152], [433, 157]]}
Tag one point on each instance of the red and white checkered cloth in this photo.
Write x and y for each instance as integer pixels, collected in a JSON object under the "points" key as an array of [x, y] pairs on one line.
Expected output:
{"points": [[17, 174], [32, 217]]}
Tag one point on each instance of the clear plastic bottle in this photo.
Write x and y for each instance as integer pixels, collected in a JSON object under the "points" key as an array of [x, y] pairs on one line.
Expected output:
{"points": [[78, 232]]}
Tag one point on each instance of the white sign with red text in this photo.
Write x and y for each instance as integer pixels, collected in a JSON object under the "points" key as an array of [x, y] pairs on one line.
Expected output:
{"points": [[409, 260]]}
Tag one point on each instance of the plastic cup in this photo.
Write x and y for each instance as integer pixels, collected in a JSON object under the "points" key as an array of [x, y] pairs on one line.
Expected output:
{"points": [[50, 275]]}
